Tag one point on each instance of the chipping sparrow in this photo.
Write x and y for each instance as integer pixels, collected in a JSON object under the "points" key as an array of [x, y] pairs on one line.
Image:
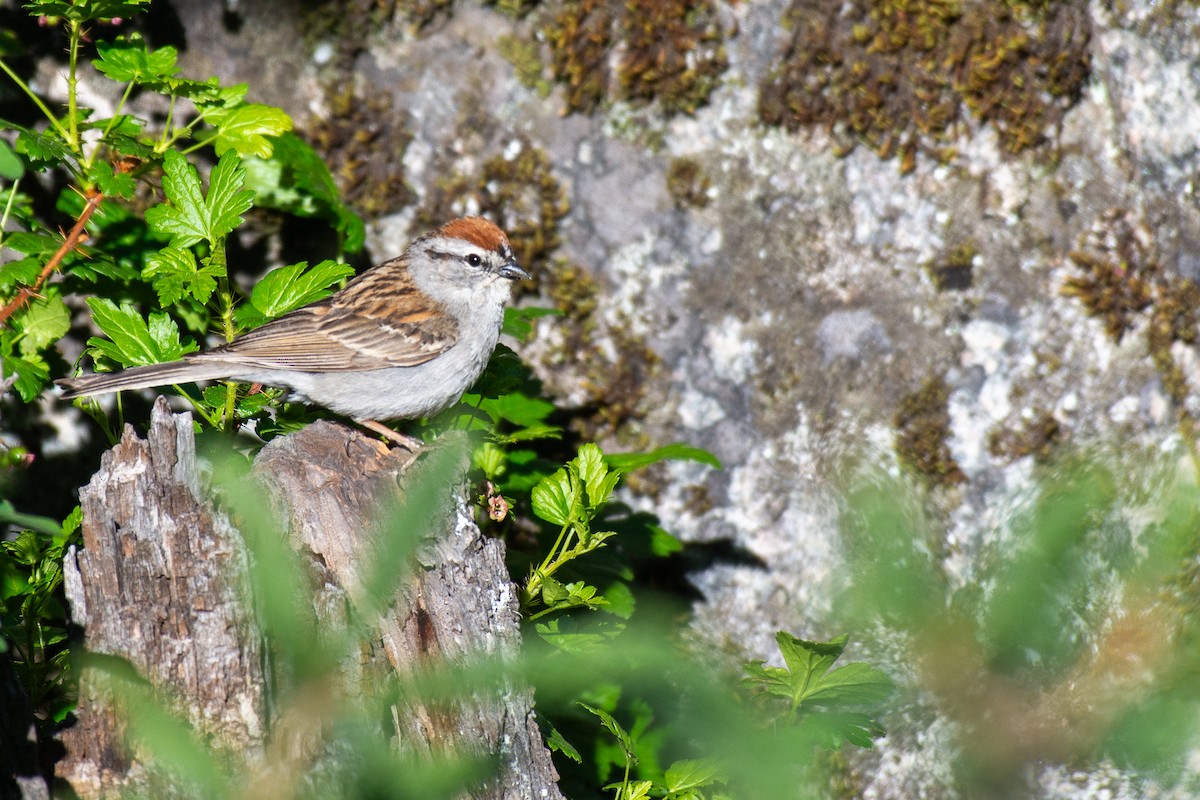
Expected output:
{"points": [[402, 340]]}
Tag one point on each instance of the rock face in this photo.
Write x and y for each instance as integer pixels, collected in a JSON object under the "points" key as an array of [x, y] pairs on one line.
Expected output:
{"points": [[755, 290]]}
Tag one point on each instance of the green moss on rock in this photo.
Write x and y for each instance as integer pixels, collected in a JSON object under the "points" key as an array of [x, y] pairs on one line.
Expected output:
{"points": [[899, 76], [922, 430], [668, 51]]}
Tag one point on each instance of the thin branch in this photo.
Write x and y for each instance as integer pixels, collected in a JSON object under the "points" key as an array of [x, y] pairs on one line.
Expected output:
{"points": [[72, 240]]}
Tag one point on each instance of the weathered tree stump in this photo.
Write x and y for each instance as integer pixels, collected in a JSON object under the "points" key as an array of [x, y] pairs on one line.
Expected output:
{"points": [[162, 582]]}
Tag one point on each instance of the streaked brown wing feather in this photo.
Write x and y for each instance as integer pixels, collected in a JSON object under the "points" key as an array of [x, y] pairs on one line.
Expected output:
{"points": [[379, 320]]}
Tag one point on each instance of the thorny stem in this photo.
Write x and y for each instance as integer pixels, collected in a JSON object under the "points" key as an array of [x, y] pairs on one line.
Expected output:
{"points": [[73, 239]]}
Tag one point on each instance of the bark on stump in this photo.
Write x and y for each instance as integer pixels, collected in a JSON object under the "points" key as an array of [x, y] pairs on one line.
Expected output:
{"points": [[161, 581]]}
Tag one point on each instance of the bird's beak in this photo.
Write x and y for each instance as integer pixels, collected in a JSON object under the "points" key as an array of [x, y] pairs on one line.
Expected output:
{"points": [[512, 270]]}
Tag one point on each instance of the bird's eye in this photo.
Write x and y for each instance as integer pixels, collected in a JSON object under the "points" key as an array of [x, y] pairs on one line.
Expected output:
{"points": [[474, 260]]}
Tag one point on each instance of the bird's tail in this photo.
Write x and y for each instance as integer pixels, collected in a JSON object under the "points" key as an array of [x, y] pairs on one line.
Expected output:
{"points": [[186, 371]]}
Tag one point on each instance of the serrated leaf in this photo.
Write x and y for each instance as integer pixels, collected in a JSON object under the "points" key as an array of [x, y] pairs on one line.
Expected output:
{"points": [[122, 125], [556, 498], [190, 217], [570, 641], [129, 60], [290, 287], [165, 334], [627, 462], [112, 183], [533, 433], [557, 742], [86, 12], [612, 726], [32, 375], [222, 97], [226, 200], [854, 684], [690, 774], [489, 459], [21, 272], [807, 659], [174, 272], [812, 688], [185, 219], [558, 597], [589, 466], [43, 149], [245, 129], [131, 341], [631, 790], [44, 322], [70, 524]]}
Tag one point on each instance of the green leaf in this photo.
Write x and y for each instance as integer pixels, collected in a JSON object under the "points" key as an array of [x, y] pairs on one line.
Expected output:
{"points": [[806, 659], [818, 696], [44, 525], [173, 272], [190, 217], [632, 790], [32, 374], [133, 342], [556, 498], [245, 129], [222, 97], [520, 409], [663, 543], [559, 597], [614, 727], [125, 126], [559, 635], [288, 288], [855, 684], [627, 462], [684, 776], [226, 200], [34, 244], [45, 321], [85, 11], [518, 322], [43, 149], [21, 272], [185, 220], [71, 524], [11, 165], [112, 183], [553, 591], [589, 466], [127, 60], [619, 600], [557, 742], [296, 180]]}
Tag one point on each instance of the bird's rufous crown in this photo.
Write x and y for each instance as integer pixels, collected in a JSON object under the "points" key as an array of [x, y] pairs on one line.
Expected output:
{"points": [[476, 230]]}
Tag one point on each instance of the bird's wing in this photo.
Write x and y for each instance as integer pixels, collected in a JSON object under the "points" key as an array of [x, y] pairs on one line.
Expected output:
{"points": [[378, 320]]}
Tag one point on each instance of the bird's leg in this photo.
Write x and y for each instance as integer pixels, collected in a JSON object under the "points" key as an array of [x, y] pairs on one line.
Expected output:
{"points": [[409, 443]]}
